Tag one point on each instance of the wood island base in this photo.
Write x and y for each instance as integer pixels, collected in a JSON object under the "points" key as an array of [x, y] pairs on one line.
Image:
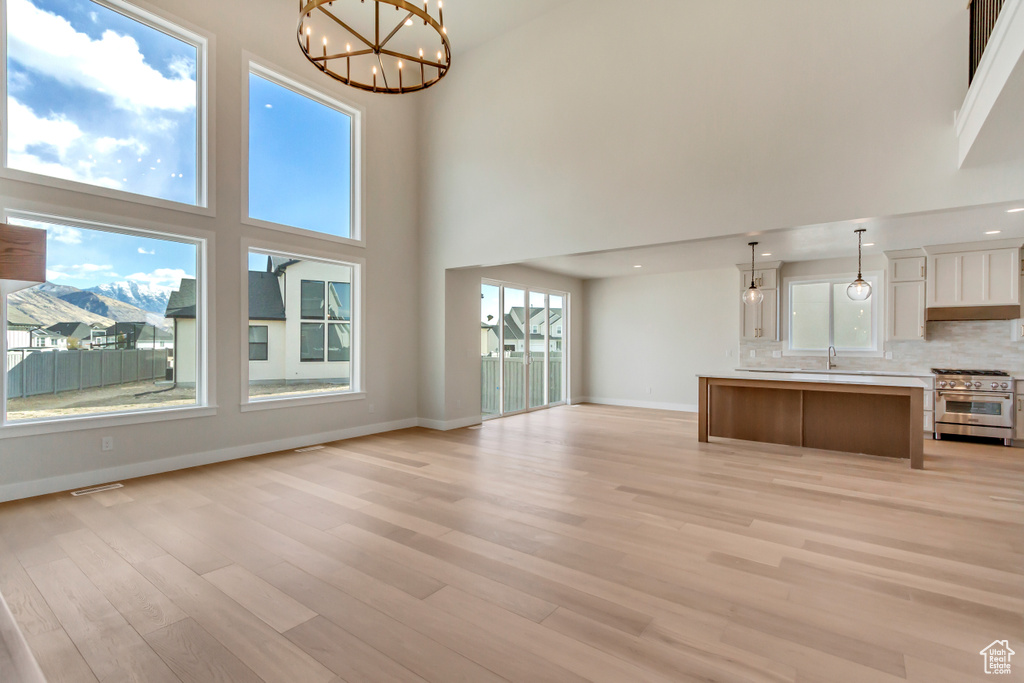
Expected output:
{"points": [[852, 418]]}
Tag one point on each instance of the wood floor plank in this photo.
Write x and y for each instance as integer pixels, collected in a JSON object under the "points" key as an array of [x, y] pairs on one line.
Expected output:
{"points": [[197, 657], [269, 604], [113, 649]]}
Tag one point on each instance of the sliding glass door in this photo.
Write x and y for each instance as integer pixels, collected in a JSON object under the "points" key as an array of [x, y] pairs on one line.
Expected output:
{"points": [[522, 348]]}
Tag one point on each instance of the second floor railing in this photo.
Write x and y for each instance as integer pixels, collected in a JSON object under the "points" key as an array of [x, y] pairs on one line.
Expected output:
{"points": [[983, 19]]}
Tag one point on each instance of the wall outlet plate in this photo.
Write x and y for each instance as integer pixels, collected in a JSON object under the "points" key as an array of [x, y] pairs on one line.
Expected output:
{"points": [[107, 443], [753, 353], [776, 354], [888, 355]]}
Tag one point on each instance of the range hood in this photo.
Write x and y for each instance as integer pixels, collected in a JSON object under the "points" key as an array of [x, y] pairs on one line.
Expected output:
{"points": [[953, 313]]}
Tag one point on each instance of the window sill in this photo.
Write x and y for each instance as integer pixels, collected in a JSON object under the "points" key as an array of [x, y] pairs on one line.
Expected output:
{"points": [[21, 428], [302, 232], [275, 403], [107, 193]]}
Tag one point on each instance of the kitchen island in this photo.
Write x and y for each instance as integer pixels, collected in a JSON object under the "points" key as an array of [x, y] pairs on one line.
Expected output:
{"points": [[871, 414]]}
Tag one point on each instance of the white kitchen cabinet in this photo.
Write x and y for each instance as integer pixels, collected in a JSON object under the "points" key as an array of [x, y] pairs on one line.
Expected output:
{"points": [[1020, 410], [761, 321], [906, 310], [988, 277], [765, 278], [906, 269]]}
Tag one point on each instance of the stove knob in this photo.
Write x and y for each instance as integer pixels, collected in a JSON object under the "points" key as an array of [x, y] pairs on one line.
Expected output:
{"points": [[942, 385], [952, 383], [995, 385], [977, 385], [1004, 385]]}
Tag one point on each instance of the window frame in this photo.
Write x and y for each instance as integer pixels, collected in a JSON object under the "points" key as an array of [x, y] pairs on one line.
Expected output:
{"points": [[357, 362], [205, 404], [875, 278], [176, 27], [316, 92], [266, 345]]}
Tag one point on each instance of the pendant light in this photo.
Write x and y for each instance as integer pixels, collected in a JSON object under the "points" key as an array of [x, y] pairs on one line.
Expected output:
{"points": [[752, 295], [859, 289]]}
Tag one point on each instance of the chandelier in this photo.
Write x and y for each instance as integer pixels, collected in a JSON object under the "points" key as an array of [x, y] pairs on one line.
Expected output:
{"points": [[386, 46]]}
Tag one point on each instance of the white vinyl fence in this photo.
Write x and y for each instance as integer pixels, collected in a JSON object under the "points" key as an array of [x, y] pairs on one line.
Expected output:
{"points": [[32, 372]]}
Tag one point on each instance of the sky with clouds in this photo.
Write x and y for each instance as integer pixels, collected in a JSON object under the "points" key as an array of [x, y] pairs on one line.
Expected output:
{"points": [[99, 98]]}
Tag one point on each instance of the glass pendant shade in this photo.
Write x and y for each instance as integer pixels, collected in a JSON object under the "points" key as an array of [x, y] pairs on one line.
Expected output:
{"points": [[859, 290], [753, 296]]}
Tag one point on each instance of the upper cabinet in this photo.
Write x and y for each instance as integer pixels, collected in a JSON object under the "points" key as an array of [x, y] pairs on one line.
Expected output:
{"points": [[905, 318], [22, 258], [989, 277], [760, 321]]}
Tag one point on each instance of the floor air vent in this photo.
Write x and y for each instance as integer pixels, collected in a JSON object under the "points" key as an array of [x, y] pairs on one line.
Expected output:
{"points": [[308, 449], [97, 489]]}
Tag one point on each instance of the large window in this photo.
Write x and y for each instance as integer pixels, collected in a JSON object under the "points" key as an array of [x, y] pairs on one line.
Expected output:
{"points": [[116, 328], [822, 315], [299, 141], [308, 309], [105, 94]]}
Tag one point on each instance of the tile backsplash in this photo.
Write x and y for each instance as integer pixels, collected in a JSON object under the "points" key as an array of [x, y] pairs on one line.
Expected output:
{"points": [[982, 344]]}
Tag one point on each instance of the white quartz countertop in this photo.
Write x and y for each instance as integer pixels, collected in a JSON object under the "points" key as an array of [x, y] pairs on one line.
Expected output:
{"points": [[826, 378], [804, 371]]}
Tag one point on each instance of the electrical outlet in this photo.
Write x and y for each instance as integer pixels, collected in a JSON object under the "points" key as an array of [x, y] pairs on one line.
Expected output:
{"points": [[649, 390], [753, 353], [370, 407], [107, 443], [776, 354], [888, 355], [728, 353]]}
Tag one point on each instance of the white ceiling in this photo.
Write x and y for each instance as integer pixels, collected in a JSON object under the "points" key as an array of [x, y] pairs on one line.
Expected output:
{"points": [[473, 22], [831, 240]]}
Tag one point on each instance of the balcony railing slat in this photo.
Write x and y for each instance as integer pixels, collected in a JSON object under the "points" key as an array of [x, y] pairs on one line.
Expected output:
{"points": [[983, 19]]}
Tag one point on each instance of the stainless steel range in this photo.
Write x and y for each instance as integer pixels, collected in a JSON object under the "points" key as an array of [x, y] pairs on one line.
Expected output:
{"points": [[974, 403]]}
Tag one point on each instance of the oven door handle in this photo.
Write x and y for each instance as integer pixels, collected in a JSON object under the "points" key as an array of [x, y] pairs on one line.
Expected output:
{"points": [[971, 397]]}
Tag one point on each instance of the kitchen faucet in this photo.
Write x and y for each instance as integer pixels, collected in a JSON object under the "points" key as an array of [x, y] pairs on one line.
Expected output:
{"points": [[831, 354]]}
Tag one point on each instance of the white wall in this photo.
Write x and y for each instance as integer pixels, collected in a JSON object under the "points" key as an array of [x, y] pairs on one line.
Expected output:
{"points": [[32, 464], [185, 356], [657, 332], [277, 348]]}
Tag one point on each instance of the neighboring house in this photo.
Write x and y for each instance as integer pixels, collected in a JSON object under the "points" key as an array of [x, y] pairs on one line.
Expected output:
{"points": [[133, 336], [299, 322], [517, 327], [79, 332], [19, 329], [42, 338]]}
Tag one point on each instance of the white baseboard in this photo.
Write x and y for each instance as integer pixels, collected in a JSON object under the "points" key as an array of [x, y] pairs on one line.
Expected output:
{"points": [[39, 487], [653, 405], [447, 425]]}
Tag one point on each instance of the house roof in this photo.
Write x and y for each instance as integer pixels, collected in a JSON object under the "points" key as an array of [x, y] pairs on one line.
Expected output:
{"points": [[139, 332], [265, 302], [182, 302], [72, 330]]}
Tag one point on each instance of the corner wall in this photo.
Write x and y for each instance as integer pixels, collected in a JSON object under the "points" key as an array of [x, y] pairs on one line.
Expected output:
{"points": [[656, 333]]}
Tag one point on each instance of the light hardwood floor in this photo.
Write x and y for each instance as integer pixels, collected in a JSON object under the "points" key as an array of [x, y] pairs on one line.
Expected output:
{"points": [[585, 543]]}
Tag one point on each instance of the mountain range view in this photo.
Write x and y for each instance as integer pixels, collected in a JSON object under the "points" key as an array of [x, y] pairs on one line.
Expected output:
{"points": [[48, 304]]}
